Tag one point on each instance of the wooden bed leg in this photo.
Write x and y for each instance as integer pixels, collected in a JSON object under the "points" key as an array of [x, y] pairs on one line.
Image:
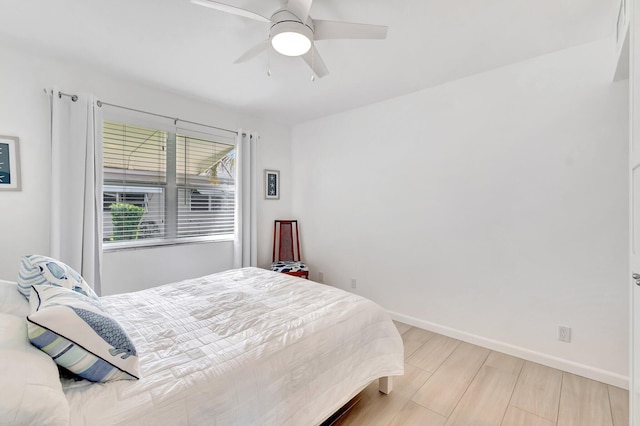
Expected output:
{"points": [[385, 385]]}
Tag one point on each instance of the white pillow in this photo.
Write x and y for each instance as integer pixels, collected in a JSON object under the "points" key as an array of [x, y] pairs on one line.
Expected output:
{"points": [[31, 393], [80, 336], [10, 300], [41, 270]]}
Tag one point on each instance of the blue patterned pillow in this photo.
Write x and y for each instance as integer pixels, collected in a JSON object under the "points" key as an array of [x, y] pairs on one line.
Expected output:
{"points": [[38, 270], [80, 336]]}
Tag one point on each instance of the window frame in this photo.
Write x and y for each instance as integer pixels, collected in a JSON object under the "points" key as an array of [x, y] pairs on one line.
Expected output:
{"points": [[172, 131]]}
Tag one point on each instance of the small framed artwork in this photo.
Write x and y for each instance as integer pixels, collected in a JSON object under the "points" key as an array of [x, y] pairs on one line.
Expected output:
{"points": [[9, 164], [272, 184]]}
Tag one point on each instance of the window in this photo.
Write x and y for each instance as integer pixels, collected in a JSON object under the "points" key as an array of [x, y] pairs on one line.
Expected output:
{"points": [[163, 187]]}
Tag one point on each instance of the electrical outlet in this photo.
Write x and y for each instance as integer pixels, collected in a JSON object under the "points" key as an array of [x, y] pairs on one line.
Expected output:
{"points": [[321, 277], [354, 283], [564, 334]]}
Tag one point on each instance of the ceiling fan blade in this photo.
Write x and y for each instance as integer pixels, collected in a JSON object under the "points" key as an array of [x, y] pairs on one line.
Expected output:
{"points": [[300, 8], [253, 52], [315, 62], [231, 9], [325, 30]]}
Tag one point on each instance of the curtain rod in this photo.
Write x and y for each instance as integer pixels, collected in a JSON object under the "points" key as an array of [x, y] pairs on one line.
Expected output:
{"points": [[74, 98]]}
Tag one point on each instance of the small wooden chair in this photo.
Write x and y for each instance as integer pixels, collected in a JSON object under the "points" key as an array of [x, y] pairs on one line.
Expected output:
{"points": [[286, 254]]}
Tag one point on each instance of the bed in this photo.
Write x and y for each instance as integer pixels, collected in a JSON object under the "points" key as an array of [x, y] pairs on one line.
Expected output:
{"points": [[241, 347]]}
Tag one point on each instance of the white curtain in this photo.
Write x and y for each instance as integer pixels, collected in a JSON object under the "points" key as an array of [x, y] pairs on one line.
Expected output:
{"points": [[246, 247], [76, 186]]}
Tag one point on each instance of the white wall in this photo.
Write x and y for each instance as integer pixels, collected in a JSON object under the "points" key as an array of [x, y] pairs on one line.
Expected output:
{"points": [[24, 112], [491, 209]]}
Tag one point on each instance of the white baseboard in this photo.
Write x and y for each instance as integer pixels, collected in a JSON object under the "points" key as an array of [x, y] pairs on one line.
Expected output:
{"points": [[603, 376]]}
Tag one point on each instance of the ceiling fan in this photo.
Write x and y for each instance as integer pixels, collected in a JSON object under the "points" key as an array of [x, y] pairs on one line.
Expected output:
{"points": [[293, 31]]}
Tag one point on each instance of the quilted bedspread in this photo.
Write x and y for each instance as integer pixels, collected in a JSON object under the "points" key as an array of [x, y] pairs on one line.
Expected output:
{"points": [[242, 347]]}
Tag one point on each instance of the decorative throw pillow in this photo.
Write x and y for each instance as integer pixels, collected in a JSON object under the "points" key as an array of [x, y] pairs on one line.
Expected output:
{"points": [[38, 270], [80, 336], [31, 393]]}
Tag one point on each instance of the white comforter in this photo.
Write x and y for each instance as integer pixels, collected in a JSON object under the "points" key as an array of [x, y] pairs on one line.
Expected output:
{"points": [[241, 347]]}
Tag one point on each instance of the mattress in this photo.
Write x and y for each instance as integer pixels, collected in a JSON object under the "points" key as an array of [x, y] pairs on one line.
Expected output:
{"points": [[242, 347]]}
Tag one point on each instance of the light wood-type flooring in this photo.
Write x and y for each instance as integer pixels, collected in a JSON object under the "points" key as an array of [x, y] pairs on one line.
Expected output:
{"points": [[449, 382]]}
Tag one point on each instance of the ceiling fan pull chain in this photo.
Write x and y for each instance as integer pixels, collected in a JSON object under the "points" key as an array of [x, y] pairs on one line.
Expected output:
{"points": [[313, 74], [268, 62]]}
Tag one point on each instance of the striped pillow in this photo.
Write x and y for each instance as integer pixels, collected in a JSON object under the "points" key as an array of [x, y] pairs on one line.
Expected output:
{"points": [[38, 270], [75, 331]]}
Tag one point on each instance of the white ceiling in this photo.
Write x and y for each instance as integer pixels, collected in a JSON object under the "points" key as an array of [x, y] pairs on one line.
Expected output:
{"points": [[190, 49]]}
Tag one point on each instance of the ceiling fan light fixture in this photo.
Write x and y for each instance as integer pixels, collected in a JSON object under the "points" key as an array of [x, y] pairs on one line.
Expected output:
{"points": [[291, 38], [291, 44]]}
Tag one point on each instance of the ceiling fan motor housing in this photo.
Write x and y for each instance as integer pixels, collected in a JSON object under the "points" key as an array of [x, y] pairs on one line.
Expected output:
{"points": [[290, 27]]}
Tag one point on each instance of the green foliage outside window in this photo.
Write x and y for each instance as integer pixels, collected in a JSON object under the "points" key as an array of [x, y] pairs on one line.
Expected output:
{"points": [[126, 220]]}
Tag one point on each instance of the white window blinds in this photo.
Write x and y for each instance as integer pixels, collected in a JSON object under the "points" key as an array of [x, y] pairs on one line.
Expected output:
{"points": [[206, 187], [162, 187]]}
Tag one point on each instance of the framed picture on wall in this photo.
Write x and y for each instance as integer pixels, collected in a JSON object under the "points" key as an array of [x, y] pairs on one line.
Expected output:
{"points": [[272, 184], [9, 164]]}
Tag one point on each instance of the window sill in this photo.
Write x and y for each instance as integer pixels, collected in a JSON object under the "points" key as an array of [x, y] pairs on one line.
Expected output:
{"points": [[151, 243]]}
